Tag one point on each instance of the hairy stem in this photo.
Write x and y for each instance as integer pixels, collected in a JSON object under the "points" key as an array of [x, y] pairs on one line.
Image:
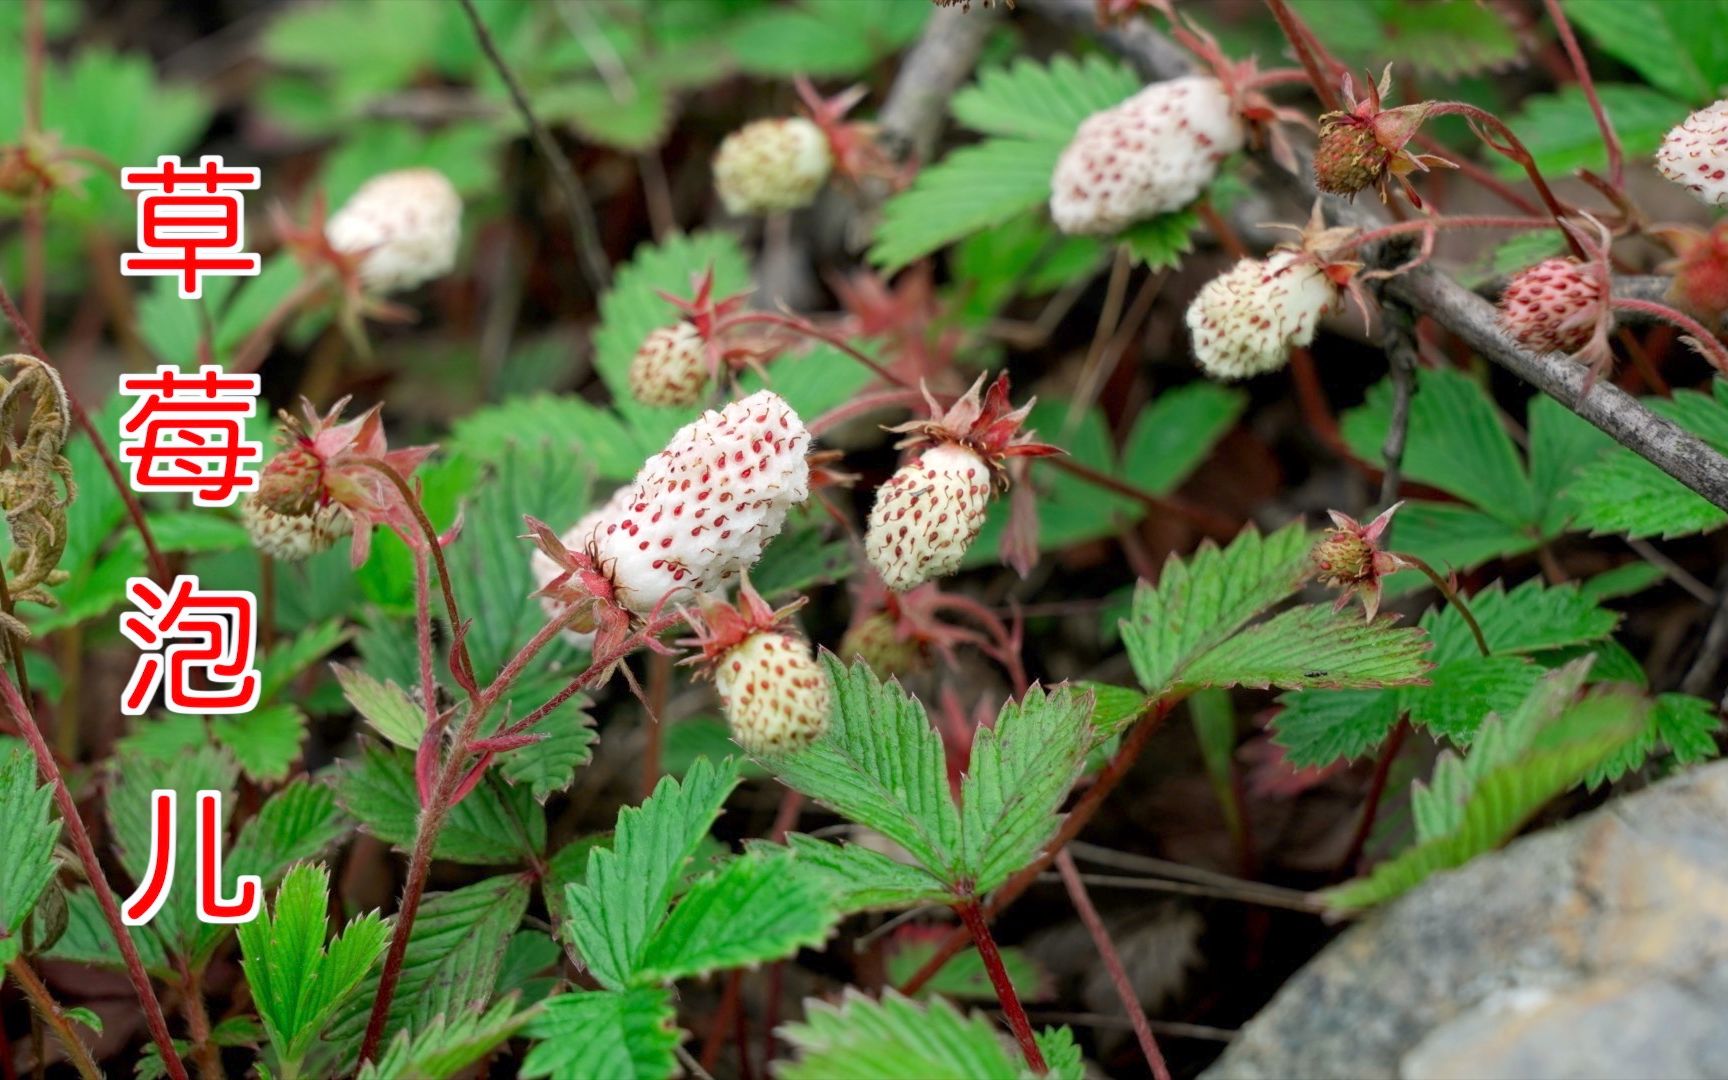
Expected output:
{"points": [[1301, 43], [48, 1009], [1452, 597], [198, 1022], [973, 916], [1706, 342], [45, 763], [1072, 825], [1113, 964], [1568, 40], [1501, 139]]}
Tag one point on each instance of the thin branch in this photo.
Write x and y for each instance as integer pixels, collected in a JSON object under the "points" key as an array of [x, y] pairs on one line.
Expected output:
{"points": [[1113, 964], [1376, 794], [929, 73], [1616, 156], [584, 229], [973, 916]]}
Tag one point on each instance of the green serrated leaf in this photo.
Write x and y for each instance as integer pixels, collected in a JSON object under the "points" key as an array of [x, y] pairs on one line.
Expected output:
{"points": [[1686, 725], [615, 1035], [1676, 47], [27, 839], [1176, 432], [1020, 771], [494, 824], [1560, 129], [1199, 602], [1317, 728], [451, 967], [1159, 243], [752, 910], [88, 940], [1549, 744], [549, 766], [1030, 100], [854, 878], [1313, 646], [447, 1046], [266, 741], [972, 188], [882, 765], [864, 1039], [623, 898], [383, 705], [1530, 618], [297, 982], [1461, 692], [1623, 493]]}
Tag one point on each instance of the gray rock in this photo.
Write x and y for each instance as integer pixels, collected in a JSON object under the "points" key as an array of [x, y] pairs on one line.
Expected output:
{"points": [[1596, 949]]}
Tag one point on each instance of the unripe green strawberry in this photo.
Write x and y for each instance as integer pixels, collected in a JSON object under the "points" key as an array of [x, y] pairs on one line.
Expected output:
{"points": [[671, 368], [877, 641], [774, 693], [771, 165]]}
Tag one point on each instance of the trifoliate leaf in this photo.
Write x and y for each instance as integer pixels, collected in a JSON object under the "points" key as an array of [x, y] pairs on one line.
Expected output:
{"points": [[623, 898], [27, 839], [618, 1035], [297, 982]]}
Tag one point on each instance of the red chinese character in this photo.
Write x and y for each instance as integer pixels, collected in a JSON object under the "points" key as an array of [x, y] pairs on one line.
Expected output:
{"points": [[153, 890], [208, 634], [191, 233], [185, 433]]}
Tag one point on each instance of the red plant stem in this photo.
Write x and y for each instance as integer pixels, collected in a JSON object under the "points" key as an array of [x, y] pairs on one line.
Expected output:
{"points": [[1113, 964], [659, 687], [1376, 793], [1208, 521], [862, 404], [1485, 123], [49, 1010], [1486, 221], [147, 1000], [27, 338], [1616, 156], [1708, 343], [423, 635], [1452, 597], [1300, 42], [973, 916], [1072, 825], [810, 330], [1478, 174], [721, 1022]]}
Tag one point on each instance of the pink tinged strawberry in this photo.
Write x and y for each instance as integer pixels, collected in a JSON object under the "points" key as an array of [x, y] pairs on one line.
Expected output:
{"points": [[1152, 154], [1245, 321], [1555, 306], [1695, 154], [671, 369]]}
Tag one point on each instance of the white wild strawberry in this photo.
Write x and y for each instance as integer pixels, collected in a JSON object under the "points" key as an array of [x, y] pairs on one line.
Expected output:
{"points": [[927, 515], [1246, 320], [1154, 153], [1695, 154], [700, 511], [774, 693], [1558, 305], [293, 537], [671, 368], [771, 165], [930, 511], [404, 226]]}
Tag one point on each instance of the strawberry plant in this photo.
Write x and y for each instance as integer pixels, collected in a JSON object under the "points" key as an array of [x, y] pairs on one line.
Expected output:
{"points": [[759, 531]]}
